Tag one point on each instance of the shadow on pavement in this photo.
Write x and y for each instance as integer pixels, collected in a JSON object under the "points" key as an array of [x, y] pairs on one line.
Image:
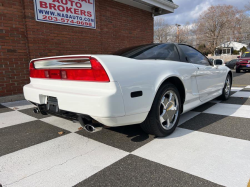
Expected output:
{"points": [[132, 131]]}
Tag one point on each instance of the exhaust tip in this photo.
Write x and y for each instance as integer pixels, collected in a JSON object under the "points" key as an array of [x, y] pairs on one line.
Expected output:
{"points": [[36, 110], [90, 128]]}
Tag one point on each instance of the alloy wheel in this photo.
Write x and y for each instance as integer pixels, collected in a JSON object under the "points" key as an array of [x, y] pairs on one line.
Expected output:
{"points": [[169, 110], [227, 86]]}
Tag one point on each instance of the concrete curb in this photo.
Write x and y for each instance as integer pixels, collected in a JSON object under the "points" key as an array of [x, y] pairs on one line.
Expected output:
{"points": [[11, 98]]}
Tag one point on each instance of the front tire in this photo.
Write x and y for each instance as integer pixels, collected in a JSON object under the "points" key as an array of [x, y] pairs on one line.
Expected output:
{"points": [[227, 88], [165, 112]]}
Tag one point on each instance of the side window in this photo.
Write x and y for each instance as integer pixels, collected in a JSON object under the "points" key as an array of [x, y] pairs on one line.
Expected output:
{"points": [[159, 52], [194, 56]]}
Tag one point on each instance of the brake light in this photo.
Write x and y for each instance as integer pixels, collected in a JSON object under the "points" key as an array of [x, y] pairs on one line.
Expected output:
{"points": [[96, 73]]}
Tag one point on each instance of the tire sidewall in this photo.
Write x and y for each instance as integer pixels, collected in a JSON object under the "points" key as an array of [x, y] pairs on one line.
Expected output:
{"points": [[223, 93], [156, 112]]}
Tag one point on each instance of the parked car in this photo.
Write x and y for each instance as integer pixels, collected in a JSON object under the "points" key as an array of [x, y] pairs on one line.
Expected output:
{"points": [[232, 64], [151, 84], [243, 62]]}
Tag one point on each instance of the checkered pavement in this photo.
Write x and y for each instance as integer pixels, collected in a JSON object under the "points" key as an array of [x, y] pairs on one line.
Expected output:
{"points": [[211, 147]]}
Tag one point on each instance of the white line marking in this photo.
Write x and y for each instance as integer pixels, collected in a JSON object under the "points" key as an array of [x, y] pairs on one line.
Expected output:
{"points": [[18, 105], [235, 89], [220, 159], [13, 118], [62, 123], [230, 110], [241, 94], [63, 161]]}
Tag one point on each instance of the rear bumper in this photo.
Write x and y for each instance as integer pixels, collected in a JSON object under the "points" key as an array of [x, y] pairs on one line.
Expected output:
{"points": [[101, 101], [244, 68], [93, 99]]}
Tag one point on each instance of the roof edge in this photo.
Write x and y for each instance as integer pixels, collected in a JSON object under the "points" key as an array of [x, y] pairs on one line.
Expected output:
{"points": [[166, 6], [166, 2]]}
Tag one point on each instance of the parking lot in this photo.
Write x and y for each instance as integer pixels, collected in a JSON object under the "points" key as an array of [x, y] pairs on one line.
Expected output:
{"points": [[211, 147]]}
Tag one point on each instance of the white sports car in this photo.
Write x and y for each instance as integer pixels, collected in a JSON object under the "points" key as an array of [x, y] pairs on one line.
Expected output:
{"points": [[150, 84]]}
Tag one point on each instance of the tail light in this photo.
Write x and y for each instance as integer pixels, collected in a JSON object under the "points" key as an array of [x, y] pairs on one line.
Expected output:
{"points": [[96, 73]]}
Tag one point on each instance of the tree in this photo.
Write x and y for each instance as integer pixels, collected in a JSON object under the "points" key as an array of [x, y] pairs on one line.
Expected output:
{"points": [[243, 50], [247, 6], [162, 31], [185, 34], [203, 48], [215, 25], [235, 52]]}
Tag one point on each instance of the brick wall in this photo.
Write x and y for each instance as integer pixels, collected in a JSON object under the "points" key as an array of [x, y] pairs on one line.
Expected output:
{"points": [[22, 38]]}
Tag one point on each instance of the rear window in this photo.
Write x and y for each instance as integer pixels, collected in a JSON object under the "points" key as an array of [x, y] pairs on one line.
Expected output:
{"points": [[151, 51], [247, 54]]}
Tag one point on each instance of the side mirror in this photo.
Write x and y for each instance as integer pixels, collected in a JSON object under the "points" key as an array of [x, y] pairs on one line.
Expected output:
{"points": [[238, 56], [218, 62]]}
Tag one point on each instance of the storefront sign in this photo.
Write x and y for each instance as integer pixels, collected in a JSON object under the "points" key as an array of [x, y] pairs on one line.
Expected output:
{"points": [[78, 13]]}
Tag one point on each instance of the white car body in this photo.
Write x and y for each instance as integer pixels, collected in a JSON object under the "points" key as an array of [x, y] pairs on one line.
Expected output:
{"points": [[111, 104]]}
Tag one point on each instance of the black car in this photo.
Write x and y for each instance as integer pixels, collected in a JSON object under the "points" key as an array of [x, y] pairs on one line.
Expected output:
{"points": [[232, 64]]}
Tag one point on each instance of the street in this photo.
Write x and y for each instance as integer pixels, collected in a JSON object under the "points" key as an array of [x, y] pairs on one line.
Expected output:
{"points": [[241, 79], [211, 147]]}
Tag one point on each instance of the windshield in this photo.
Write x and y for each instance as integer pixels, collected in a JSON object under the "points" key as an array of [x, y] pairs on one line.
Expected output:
{"points": [[246, 54], [151, 51]]}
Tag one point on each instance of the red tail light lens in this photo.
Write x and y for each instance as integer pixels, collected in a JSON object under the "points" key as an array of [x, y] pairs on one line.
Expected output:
{"points": [[99, 72], [96, 73], [34, 73]]}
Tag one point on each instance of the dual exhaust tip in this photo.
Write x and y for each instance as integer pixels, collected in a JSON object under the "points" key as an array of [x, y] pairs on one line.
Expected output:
{"points": [[36, 110], [85, 123], [89, 128]]}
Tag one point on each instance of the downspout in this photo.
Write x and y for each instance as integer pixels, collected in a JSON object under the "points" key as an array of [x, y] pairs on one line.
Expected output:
{"points": [[25, 30]]}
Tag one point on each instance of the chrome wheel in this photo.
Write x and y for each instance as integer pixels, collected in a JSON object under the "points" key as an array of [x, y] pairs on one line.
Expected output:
{"points": [[227, 86], [169, 110]]}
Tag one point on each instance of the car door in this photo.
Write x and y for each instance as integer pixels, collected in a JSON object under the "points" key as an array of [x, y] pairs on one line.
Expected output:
{"points": [[208, 77]]}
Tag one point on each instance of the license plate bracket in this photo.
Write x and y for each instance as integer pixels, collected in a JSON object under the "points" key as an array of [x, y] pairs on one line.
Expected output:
{"points": [[248, 65], [52, 104]]}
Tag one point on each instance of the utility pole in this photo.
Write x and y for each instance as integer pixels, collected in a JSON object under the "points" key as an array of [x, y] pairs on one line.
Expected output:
{"points": [[178, 32]]}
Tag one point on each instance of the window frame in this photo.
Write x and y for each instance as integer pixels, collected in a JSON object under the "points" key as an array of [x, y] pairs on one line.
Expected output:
{"points": [[176, 49], [186, 58]]}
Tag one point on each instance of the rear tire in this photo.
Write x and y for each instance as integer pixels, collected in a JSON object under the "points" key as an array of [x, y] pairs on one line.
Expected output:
{"points": [[227, 88], [166, 106]]}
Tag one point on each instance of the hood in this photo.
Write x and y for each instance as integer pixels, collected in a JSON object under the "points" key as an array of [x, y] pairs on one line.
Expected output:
{"points": [[244, 60]]}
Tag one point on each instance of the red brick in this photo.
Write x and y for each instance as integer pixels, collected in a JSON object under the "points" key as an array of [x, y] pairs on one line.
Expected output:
{"points": [[118, 26]]}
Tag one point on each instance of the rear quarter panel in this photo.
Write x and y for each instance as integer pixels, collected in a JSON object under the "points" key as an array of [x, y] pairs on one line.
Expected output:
{"points": [[147, 76]]}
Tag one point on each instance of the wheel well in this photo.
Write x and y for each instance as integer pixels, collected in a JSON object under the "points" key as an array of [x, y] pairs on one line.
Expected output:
{"points": [[179, 85], [231, 75]]}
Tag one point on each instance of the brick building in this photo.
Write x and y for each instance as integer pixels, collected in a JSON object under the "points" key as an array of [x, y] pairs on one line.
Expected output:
{"points": [[108, 26]]}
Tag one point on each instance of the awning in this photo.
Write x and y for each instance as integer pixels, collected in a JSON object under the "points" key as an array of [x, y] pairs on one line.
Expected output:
{"points": [[158, 7]]}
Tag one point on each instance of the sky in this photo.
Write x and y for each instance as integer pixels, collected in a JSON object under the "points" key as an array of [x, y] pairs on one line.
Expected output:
{"points": [[189, 10]]}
